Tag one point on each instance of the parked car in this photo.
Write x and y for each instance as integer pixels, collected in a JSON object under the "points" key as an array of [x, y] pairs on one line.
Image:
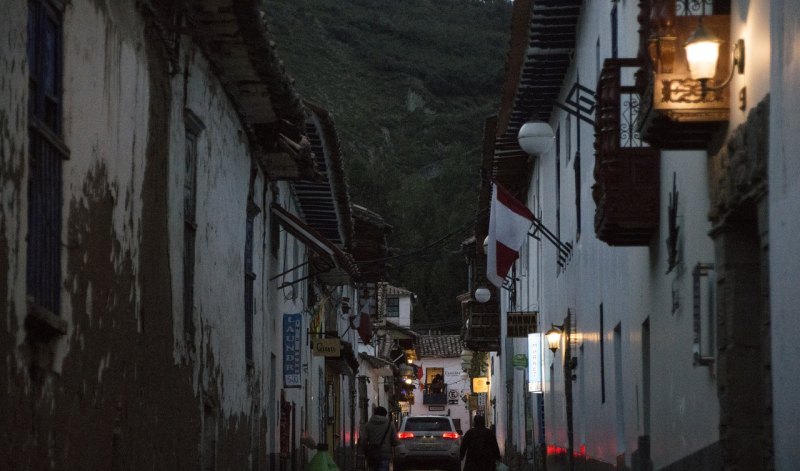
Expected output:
{"points": [[427, 441]]}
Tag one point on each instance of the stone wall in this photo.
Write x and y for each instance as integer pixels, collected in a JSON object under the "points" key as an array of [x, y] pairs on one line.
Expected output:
{"points": [[738, 187]]}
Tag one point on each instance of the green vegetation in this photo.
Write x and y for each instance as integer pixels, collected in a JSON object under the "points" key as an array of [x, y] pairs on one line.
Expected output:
{"points": [[410, 83]]}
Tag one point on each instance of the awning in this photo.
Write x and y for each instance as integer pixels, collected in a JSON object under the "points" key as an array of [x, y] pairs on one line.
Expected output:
{"points": [[331, 264]]}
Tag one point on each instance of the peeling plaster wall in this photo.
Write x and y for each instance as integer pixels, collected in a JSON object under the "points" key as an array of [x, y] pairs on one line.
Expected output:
{"points": [[222, 184], [105, 126], [13, 177], [120, 387]]}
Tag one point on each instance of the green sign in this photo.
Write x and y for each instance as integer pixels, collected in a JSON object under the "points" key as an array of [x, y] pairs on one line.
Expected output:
{"points": [[520, 360]]}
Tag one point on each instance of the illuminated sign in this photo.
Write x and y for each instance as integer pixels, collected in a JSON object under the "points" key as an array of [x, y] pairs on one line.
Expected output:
{"points": [[480, 384], [535, 363]]}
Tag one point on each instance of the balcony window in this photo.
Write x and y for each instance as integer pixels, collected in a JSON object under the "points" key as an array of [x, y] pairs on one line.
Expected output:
{"points": [[626, 190], [435, 390]]}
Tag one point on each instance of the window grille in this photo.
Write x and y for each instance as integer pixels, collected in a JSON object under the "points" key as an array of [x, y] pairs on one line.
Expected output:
{"points": [[393, 307], [46, 154]]}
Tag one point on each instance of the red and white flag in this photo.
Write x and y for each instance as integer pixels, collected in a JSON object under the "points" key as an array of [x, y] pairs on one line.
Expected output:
{"points": [[509, 221]]}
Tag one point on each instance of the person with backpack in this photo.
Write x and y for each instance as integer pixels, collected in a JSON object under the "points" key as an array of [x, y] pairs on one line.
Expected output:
{"points": [[378, 439], [480, 446]]}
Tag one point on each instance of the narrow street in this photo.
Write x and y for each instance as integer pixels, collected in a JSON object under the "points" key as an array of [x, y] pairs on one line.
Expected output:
{"points": [[287, 234]]}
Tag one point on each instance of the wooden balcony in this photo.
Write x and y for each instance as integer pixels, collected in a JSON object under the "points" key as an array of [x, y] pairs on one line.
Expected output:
{"points": [[434, 397], [626, 189], [482, 327]]}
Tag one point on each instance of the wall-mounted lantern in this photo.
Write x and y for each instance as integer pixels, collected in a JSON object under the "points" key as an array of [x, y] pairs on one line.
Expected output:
{"points": [[553, 337], [702, 54], [682, 104]]}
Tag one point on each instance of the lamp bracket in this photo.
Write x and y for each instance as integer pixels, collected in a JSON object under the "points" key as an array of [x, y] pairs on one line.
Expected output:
{"points": [[738, 66], [564, 248], [580, 105]]}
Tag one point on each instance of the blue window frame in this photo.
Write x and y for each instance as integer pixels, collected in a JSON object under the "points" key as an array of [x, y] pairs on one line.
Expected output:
{"points": [[46, 155]]}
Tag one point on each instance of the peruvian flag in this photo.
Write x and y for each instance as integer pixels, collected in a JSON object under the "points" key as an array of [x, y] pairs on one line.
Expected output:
{"points": [[509, 221]]}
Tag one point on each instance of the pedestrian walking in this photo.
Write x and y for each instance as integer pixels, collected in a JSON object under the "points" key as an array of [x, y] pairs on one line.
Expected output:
{"points": [[378, 439], [480, 446]]}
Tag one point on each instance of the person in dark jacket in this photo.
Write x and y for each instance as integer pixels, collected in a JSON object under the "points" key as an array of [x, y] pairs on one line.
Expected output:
{"points": [[480, 446], [379, 431]]}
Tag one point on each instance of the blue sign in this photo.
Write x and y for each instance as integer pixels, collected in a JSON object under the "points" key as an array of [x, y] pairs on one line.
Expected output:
{"points": [[292, 341]]}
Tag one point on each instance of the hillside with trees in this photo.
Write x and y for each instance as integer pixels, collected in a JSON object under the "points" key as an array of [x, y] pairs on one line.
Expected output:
{"points": [[409, 83]]}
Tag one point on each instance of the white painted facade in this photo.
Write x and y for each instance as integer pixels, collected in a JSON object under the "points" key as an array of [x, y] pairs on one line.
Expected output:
{"points": [[647, 322], [452, 378], [784, 225], [404, 300]]}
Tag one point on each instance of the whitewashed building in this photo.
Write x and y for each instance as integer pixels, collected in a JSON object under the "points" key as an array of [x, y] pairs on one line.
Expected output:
{"points": [[163, 268], [664, 214], [440, 354]]}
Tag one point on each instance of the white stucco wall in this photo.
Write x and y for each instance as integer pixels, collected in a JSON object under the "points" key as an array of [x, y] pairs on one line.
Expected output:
{"points": [[405, 312], [222, 185], [452, 377], [290, 300], [631, 285], [750, 20], [784, 225]]}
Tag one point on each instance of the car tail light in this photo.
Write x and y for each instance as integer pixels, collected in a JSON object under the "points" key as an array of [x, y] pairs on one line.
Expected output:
{"points": [[405, 435], [450, 435]]}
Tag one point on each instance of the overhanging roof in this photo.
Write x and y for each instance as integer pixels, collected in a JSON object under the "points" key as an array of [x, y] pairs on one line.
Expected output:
{"points": [[440, 346], [325, 202], [235, 37], [333, 265], [541, 48]]}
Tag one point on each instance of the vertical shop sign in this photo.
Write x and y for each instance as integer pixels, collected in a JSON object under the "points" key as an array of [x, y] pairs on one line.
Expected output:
{"points": [[535, 363], [292, 327]]}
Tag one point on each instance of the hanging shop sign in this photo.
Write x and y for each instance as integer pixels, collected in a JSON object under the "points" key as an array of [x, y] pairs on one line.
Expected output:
{"points": [[321, 347], [480, 384], [535, 363], [292, 356], [520, 361]]}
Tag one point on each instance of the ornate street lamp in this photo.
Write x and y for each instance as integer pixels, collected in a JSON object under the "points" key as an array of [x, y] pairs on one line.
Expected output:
{"points": [[702, 54], [553, 337]]}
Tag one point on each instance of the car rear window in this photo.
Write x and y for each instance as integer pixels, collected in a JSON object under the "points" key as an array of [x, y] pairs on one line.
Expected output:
{"points": [[428, 425]]}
